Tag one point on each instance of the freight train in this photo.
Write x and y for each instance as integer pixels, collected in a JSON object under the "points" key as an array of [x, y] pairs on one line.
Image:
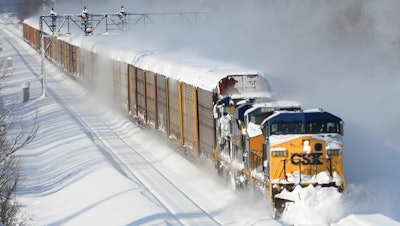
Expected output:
{"points": [[220, 115]]}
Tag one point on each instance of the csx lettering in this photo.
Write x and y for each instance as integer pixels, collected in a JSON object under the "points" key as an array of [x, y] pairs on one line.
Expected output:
{"points": [[305, 159]]}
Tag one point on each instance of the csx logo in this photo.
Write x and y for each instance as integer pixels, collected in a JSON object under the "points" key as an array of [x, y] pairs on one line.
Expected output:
{"points": [[306, 159]]}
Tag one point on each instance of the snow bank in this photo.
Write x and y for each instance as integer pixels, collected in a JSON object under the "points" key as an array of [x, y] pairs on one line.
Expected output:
{"points": [[367, 220]]}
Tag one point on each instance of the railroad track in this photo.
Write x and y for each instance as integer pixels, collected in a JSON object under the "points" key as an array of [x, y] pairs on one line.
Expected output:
{"points": [[181, 208]]}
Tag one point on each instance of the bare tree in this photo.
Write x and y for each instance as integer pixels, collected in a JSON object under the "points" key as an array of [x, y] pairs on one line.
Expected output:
{"points": [[14, 135], [9, 181], [10, 176], [12, 142]]}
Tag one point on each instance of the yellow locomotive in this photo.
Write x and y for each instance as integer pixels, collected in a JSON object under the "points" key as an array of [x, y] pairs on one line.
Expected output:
{"points": [[276, 146]]}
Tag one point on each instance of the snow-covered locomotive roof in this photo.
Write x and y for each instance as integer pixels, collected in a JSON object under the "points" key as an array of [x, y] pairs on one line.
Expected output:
{"points": [[274, 105], [304, 116]]}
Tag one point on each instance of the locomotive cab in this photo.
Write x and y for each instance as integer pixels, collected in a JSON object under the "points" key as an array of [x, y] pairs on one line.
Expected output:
{"points": [[304, 148]]}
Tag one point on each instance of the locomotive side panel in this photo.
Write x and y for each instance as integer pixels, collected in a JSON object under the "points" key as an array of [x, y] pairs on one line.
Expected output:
{"points": [[206, 125], [151, 97], [162, 101], [257, 157]]}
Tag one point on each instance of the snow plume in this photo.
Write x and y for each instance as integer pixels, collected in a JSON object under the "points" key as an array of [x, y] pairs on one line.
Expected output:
{"points": [[313, 206], [324, 206]]}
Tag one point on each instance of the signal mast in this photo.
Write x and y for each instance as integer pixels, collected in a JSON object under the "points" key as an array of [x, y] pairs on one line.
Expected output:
{"points": [[53, 25]]}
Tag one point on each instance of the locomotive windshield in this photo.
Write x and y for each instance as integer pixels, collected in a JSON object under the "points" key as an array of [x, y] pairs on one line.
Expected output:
{"points": [[304, 123], [323, 127], [287, 128]]}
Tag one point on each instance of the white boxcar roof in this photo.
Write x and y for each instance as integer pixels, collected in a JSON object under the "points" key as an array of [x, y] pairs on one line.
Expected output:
{"points": [[199, 72]]}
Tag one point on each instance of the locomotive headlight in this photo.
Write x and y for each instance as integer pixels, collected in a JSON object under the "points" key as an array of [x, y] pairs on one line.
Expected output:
{"points": [[333, 148], [279, 152], [334, 151], [306, 146]]}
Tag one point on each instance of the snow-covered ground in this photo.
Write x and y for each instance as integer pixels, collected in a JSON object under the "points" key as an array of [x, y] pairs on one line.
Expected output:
{"points": [[89, 165]]}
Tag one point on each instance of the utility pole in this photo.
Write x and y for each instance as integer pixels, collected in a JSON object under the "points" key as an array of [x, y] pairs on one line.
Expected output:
{"points": [[42, 50]]}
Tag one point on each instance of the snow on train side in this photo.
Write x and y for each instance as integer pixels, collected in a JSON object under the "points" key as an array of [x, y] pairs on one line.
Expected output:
{"points": [[219, 114]]}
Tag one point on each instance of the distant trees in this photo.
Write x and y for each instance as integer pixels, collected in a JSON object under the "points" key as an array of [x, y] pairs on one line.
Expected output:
{"points": [[13, 137]]}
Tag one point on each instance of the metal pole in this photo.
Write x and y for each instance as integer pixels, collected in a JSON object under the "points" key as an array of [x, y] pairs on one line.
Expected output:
{"points": [[42, 60]]}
